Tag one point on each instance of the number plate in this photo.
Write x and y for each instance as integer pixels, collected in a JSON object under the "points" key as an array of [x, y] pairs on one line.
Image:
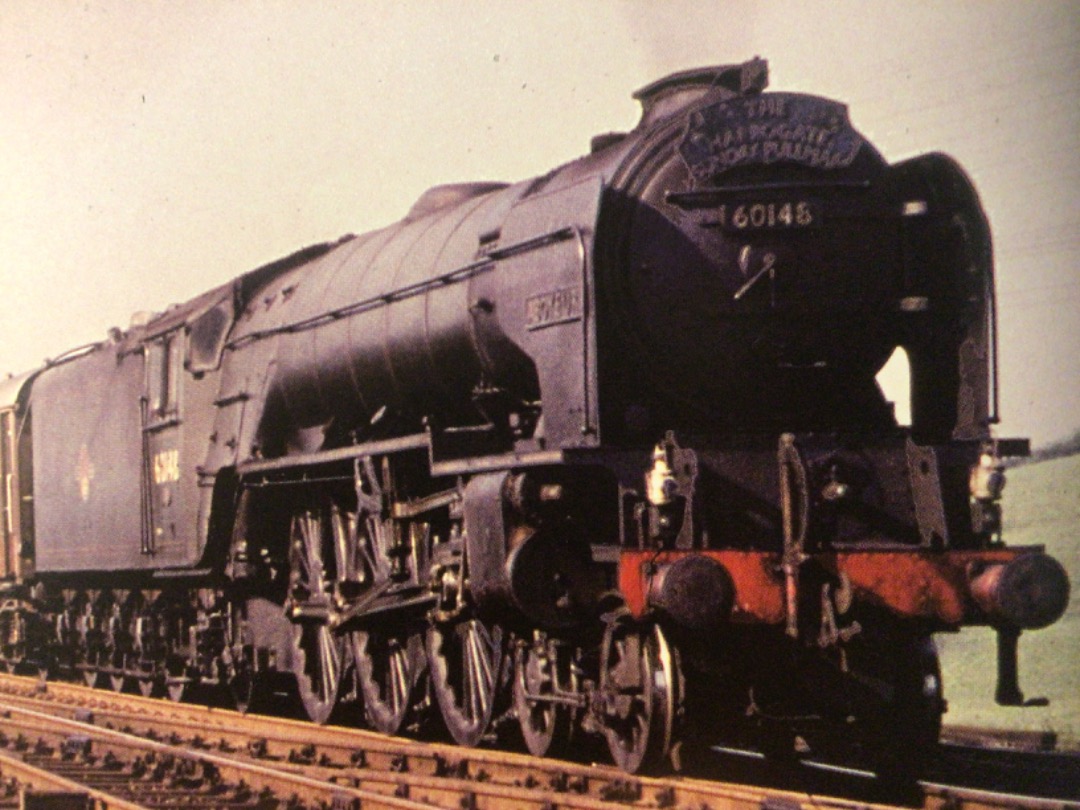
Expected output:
{"points": [[771, 215]]}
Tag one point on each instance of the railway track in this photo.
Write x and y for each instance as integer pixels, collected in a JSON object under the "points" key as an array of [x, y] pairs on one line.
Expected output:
{"points": [[970, 736], [128, 751], [1051, 775]]}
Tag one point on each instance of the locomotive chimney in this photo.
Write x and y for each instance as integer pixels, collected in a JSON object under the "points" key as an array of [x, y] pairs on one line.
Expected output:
{"points": [[672, 93]]}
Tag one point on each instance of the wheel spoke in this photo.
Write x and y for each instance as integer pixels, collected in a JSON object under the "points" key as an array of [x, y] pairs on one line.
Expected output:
{"points": [[330, 663], [479, 678], [398, 680]]}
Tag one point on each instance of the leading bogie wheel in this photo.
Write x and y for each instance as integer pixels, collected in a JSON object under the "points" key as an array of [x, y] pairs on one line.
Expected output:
{"points": [[544, 684], [640, 696]]}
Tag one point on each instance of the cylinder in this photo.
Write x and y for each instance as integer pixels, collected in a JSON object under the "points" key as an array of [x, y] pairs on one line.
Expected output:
{"points": [[551, 579], [1028, 592], [694, 591]]}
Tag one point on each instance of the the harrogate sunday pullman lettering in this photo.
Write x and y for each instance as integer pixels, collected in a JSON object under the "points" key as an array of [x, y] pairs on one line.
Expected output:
{"points": [[774, 128]]}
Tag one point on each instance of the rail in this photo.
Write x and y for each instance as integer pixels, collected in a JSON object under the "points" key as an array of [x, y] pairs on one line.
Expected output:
{"points": [[343, 760]]}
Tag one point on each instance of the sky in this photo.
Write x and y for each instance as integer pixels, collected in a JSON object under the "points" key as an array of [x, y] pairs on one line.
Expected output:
{"points": [[151, 150]]}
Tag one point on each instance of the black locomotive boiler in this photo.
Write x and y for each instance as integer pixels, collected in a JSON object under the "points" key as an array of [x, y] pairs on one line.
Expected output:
{"points": [[598, 453]]}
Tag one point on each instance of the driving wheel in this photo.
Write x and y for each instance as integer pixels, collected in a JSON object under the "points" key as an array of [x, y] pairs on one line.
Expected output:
{"points": [[464, 656], [318, 651], [389, 666]]}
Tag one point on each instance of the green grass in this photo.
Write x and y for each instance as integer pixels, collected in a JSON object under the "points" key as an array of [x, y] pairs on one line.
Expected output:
{"points": [[1041, 507]]}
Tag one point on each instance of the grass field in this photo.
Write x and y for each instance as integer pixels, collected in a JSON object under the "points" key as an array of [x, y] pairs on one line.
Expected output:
{"points": [[1041, 507]]}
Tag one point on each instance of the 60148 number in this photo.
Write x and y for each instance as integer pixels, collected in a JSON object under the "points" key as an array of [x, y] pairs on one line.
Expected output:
{"points": [[760, 215]]}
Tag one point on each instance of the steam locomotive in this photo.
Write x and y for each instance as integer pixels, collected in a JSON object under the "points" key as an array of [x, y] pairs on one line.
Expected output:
{"points": [[599, 454]]}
